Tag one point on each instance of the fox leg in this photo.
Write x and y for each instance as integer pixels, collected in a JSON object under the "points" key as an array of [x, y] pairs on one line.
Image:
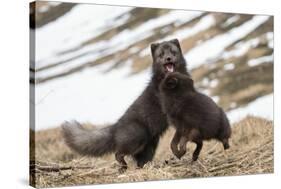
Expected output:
{"points": [[174, 144], [199, 145], [147, 153], [182, 146], [120, 159], [225, 143], [194, 136]]}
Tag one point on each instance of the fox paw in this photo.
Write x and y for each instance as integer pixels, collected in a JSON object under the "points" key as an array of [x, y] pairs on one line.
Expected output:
{"points": [[179, 155], [122, 170], [194, 158]]}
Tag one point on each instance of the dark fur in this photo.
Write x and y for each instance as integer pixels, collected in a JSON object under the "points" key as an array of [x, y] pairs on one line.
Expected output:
{"points": [[138, 131], [195, 116]]}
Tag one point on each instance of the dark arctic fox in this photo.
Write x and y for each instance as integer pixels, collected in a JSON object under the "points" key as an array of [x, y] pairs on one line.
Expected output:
{"points": [[195, 116], [138, 131]]}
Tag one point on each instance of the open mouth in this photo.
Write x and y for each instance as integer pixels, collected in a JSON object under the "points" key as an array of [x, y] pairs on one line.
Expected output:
{"points": [[169, 67]]}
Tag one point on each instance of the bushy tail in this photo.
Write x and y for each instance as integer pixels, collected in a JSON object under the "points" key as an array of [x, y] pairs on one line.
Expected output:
{"points": [[95, 142]]}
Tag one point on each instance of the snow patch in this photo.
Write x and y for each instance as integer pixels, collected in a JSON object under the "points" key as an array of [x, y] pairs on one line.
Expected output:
{"points": [[205, 91], [204, 23], [145, 52], [73, 28], [216, 45], [89, 96], [262, 107], [205, 81], [229, 66], [120, 41], [260, 60], [241, 48], [214, 83], [270, 37], [98, 97], [215, 99], [133, 50], [43, 8], [231, 20]]}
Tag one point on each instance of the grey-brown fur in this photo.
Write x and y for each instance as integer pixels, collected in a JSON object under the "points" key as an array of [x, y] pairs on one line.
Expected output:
{"points": [[138, 131], [195, 116]]}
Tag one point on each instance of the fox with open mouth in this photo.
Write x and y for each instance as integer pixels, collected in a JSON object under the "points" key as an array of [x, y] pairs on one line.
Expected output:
{"points": [[167, 58], [139, 129]]}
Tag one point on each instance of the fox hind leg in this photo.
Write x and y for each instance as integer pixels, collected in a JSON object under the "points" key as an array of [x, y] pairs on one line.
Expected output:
{"points": [[225, 144], [120, 159], [195, 136], [199, 145], [182, 146]]}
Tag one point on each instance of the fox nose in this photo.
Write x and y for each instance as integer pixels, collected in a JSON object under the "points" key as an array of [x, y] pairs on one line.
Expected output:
{"points": [[168, 59]]}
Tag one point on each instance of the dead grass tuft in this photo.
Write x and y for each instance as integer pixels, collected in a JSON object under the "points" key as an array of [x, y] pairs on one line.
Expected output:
{"points": [[251, 152]]}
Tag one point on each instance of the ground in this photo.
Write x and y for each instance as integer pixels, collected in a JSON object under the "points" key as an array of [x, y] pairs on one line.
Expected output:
{"points": [[251, 152]]}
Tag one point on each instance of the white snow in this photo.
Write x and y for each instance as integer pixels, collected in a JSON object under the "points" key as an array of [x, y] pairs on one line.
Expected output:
{"points": [[205, 23], [270, 37], [118, 42], [231, 20], [214, 83], [262, 107], [90, 96], [229, 66], [145, 52], [215, 46], [126, 38], [98, 97], [241, 48], [171, 17], [215, 99], [133, 50], [73, 28], [71, 64], [53, 3], [207, 92], [43, 8], [205, 81], [260, 60]]}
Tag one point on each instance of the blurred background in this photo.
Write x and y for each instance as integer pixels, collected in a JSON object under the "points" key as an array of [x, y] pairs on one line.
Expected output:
{"points": [[92, 61]]}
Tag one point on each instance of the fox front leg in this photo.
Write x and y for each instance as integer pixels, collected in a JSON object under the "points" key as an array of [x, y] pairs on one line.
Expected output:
{"points": [[174, 144]]}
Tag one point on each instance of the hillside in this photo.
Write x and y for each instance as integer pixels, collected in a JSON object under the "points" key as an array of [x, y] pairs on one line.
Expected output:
{"points": [[92, 62], [251, 152]]}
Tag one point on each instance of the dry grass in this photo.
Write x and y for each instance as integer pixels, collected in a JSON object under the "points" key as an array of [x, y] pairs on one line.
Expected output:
{"points": [[251, 152]]}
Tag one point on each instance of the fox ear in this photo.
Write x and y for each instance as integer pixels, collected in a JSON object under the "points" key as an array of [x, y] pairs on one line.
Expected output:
{"points": [[153, 47], [176, 42]]}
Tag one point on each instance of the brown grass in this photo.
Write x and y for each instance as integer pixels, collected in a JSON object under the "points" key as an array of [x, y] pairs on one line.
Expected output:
{"points": [[251, 152]]}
